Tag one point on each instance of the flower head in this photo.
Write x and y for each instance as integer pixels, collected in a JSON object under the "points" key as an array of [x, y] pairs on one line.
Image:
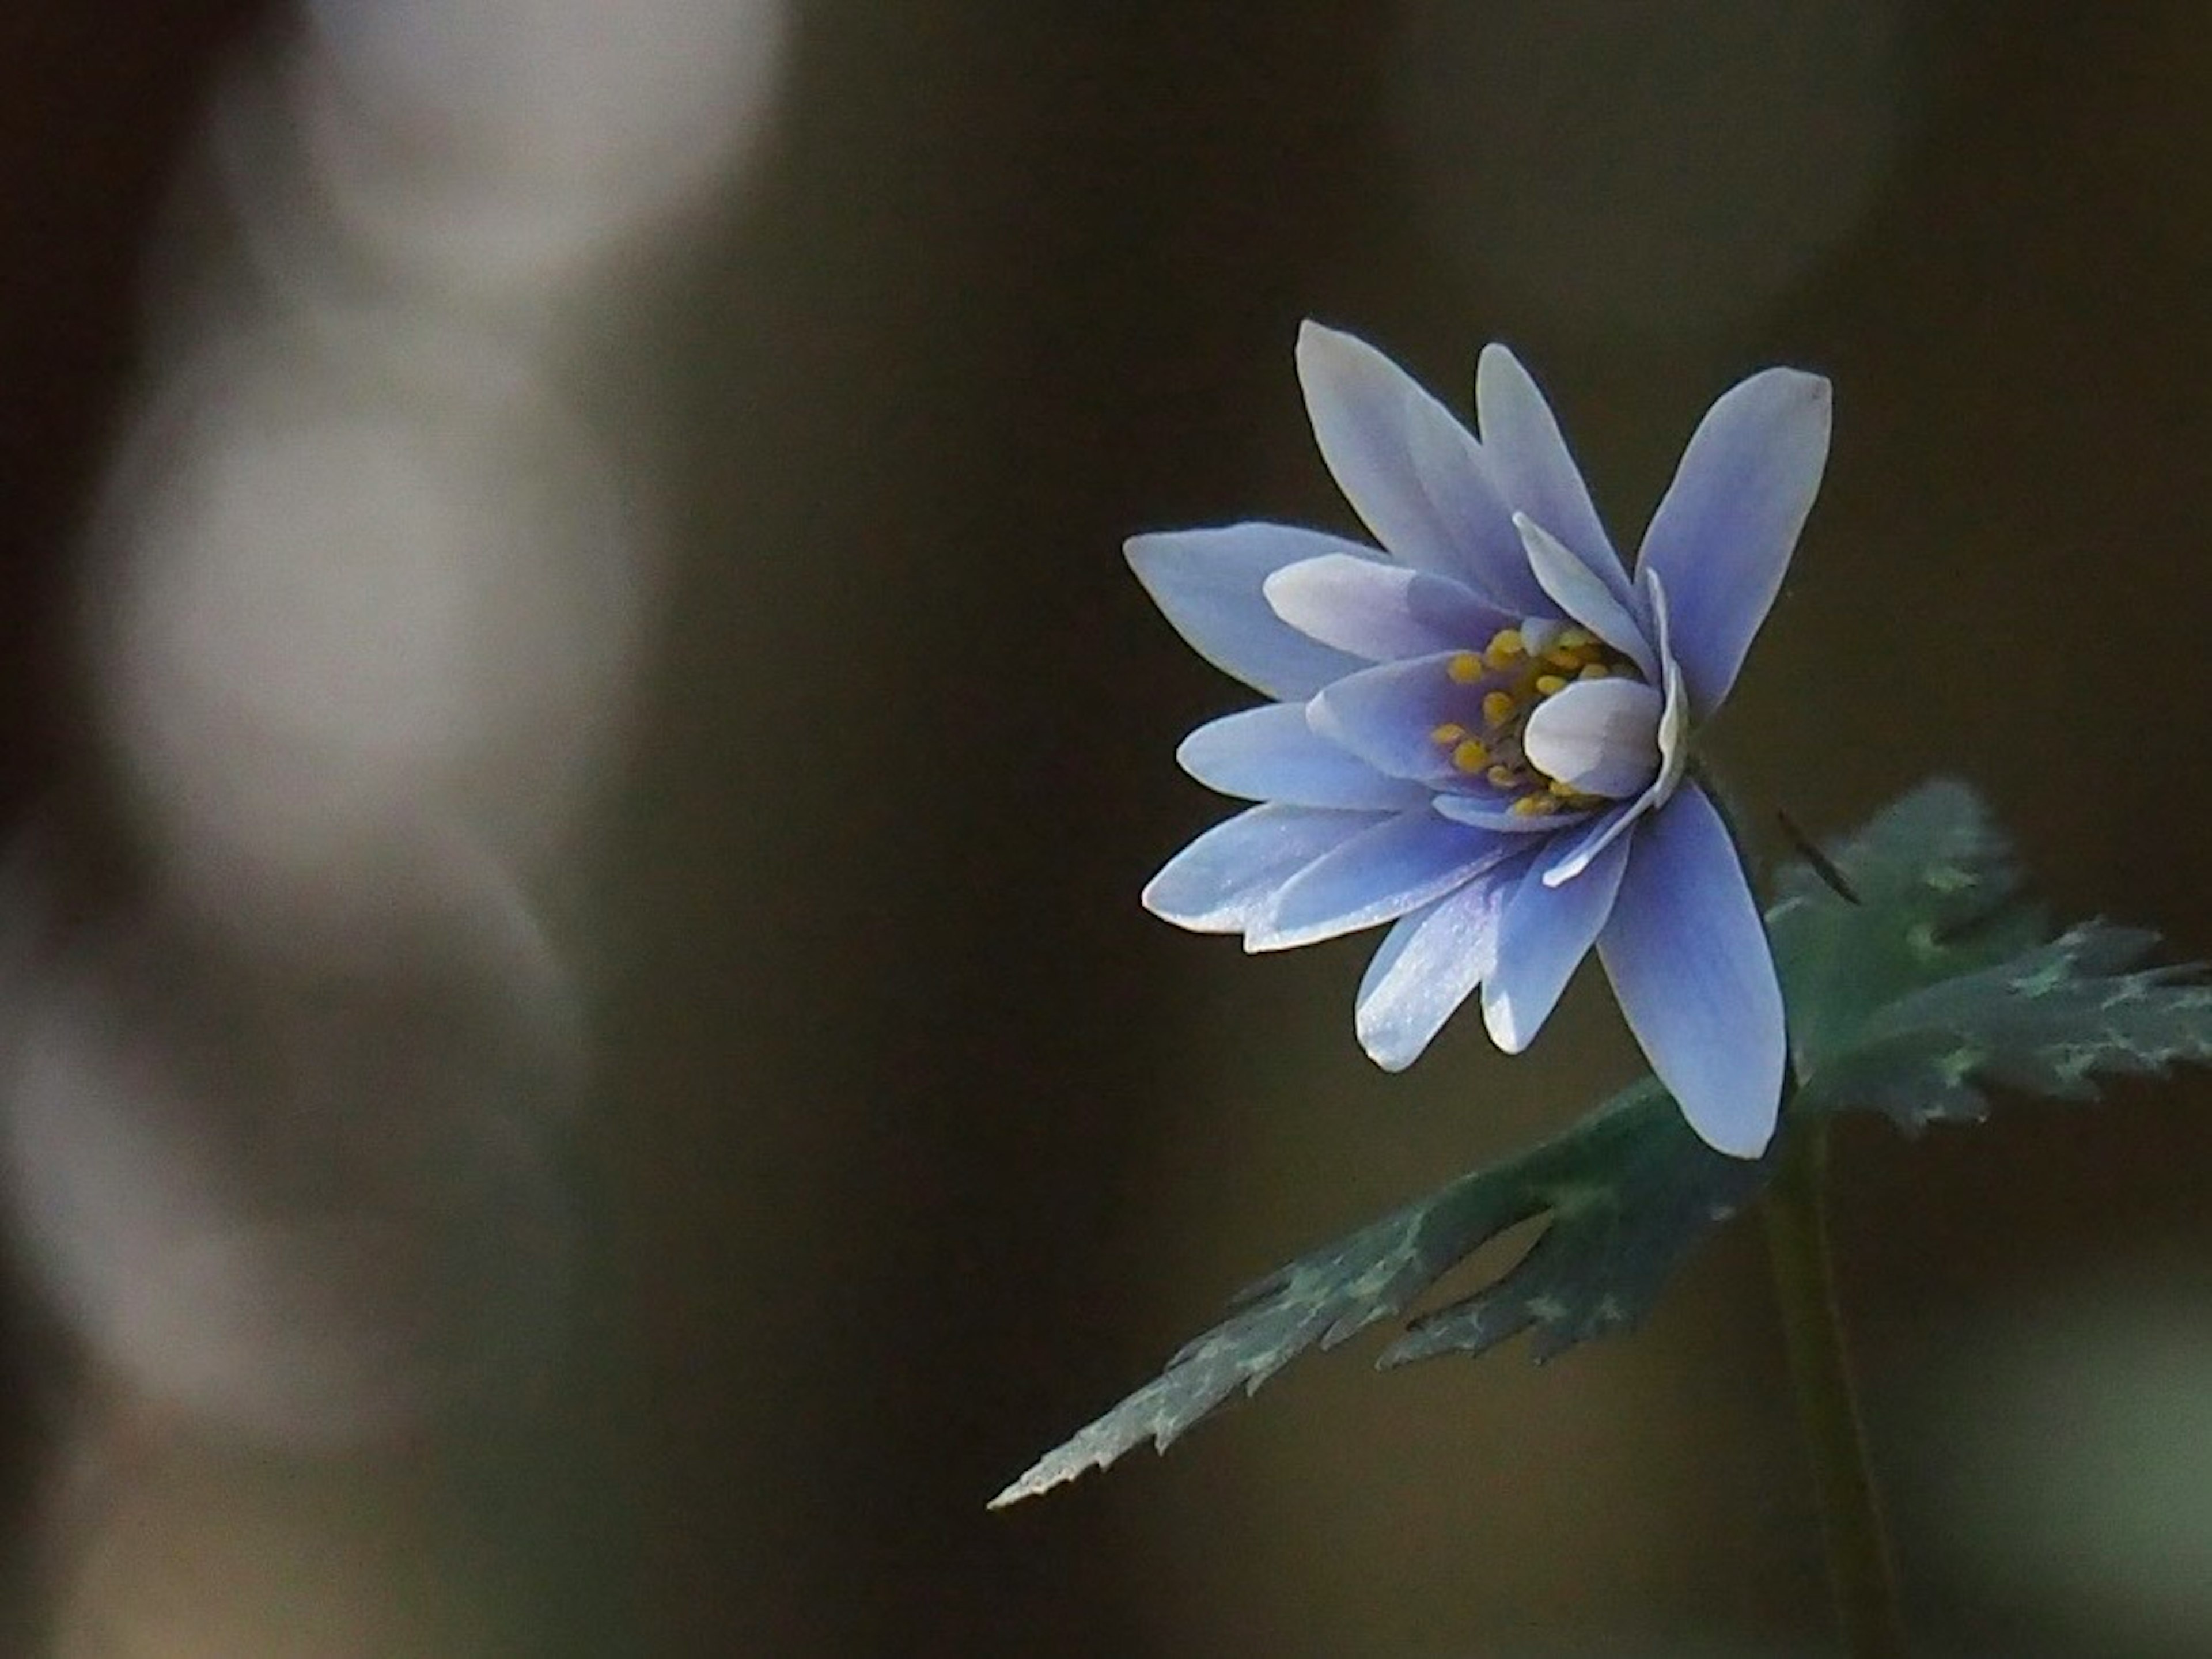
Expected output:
{"points": [[1480, 733]]}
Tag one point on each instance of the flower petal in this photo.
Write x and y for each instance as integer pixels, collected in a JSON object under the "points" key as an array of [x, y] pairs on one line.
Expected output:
{"points": [[1492, 809], [1207, 583], [1412, 473], [1690, 963], [1533, 466], [1724, 534], [1378, 876], [1232, 873], [1427, 965], [1673, 737], [1381, 611], [1600, 737], [1389, 715], [1272, 754], [1584, 595], [1543, 937]]}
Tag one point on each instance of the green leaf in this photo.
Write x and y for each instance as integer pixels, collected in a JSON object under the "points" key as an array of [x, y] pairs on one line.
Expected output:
{"points": [[1930, 982], [1628, 1190]]}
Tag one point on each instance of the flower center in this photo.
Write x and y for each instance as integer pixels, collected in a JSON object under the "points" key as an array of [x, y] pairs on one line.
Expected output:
{"points": [[1514, 675]]}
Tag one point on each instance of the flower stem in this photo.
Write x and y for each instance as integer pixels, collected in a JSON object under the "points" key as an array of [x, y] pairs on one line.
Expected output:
{"points": [[1860, 1572]]}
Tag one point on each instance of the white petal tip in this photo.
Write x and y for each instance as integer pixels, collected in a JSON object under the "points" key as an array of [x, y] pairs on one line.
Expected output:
{"points": [[1746, 1141], [1497, 1020], [1388, 1057]]}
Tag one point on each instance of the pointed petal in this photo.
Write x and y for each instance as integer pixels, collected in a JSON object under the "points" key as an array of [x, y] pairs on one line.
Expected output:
{"points": [[1378, 876], [1428, 963], [1381, 611], [1232, 873], [1544, 936], [1690, 963], [1272, 754], [1722, 535], [1600, 737], [1533, 466], [1411, 472], [1578, 591], [1207, 583]]}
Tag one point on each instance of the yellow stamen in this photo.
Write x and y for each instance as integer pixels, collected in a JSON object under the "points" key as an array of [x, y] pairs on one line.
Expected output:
{"points": [[1560, 656], [1466, 668], [1496, 708], [1596, 670], [1447, 734], [1548, 683], [1470, 757], [1505, 645], [1573, 639], [1503, 777], [1530, 806]]}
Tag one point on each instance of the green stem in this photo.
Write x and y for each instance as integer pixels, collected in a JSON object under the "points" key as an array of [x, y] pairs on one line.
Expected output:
{"points": [[1859, 1567]]}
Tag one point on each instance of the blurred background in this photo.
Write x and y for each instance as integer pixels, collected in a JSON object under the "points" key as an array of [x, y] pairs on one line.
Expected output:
{"points": [[582, 1072]]}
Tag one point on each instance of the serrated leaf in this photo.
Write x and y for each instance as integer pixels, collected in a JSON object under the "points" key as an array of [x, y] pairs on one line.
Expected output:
{"points": [[1932, 982], [1627, 1190]]}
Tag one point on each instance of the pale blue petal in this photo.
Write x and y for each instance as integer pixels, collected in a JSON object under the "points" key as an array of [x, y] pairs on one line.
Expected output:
{"points": [[1381, 611], [1232, 873], [1544, 936], [1272, 754], [1600, 737], [1583, 594], [1724, 534], [1385, 715], [1412, 473], [1378, 876], [1690, 963], [1475, 803], [1428, 963], [1533, 466], [1207, 583]]}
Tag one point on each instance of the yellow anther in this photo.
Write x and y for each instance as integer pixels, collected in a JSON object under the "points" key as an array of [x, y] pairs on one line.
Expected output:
{"points": [[1505, 645], [1496, 708], [1573, 639], [1596, 670], [1466, 668], [1536, 805], [1503, 777], [1447, 734], [1470, 757], [1560, 657], [1548, 683]]}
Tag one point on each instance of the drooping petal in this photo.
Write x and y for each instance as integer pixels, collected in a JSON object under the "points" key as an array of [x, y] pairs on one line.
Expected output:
{"points": [[1583, 594], [1378, 876], [1207, 583], [1381, 611], [1722, 535], [1218, 883], [1412, 473], [1272, 754], [1389, 715], [1533, 466], [1600, 737], [1691, 966], [1543, 937], [1427, 965]]}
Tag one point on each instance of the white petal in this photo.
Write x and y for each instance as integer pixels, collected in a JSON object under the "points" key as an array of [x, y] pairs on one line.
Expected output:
{"points": [[1600, 737], [1232, 873], [1543, 938], [1273, 754], [1580, 592], [1532, 463], [1425, 968], [1378, 876], [1380, 612], [1207, 583]]}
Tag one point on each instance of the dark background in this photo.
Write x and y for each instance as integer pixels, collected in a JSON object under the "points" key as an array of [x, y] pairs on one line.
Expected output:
{"points": [[915, 1143]]}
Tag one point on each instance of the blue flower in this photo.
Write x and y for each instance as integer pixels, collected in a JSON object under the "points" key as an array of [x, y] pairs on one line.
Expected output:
{"points": [[1480, 733]]}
